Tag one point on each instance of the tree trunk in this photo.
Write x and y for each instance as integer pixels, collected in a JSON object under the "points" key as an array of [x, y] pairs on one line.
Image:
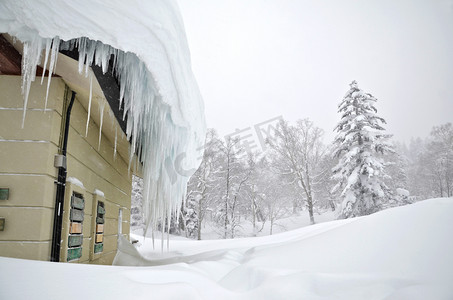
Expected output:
{"points": [[200, 219], [272, 225], [232, 218], [227, 196], [226, 220], [447, 180], [310, 210], [332, 204], [295, 206], [441, 187], [309, 195], [253, 215]]}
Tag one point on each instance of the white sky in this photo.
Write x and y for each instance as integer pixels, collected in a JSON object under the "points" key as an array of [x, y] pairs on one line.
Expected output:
{"points": [[258, 59]]}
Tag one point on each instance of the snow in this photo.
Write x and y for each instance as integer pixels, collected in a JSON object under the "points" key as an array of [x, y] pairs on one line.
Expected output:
{"points": [[211, 231], [75, 181], [399, 253], [402, 192], [99, 193], [165, 114]]}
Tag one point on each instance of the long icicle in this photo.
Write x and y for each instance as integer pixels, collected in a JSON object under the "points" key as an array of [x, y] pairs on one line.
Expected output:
{"points": [[89, 105], [53, 64], [30, 59], [116, 141], [101, 111], [46, 57]]}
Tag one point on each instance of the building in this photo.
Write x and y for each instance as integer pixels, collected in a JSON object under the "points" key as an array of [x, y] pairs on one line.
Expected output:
{"points": [[65, 161], [96, 196]]}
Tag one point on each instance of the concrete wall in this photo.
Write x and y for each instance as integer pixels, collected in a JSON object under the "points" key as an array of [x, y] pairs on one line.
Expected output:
{"points": [[27, 169]]}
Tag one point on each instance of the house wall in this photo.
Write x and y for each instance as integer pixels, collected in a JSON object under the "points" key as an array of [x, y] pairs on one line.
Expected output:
{"points": [[96, 167], [27, 169]]}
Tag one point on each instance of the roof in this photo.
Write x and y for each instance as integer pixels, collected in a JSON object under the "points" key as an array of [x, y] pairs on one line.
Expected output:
{"points": [[165, 114], [109, 85]]}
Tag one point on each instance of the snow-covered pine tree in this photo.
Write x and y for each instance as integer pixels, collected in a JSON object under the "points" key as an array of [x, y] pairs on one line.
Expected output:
{"points": [[190, 216], [137, 220], [360, 144]]}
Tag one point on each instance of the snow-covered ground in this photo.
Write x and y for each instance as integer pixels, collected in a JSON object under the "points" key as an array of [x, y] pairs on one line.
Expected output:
{"points": [[400, 253], [211, 231]]}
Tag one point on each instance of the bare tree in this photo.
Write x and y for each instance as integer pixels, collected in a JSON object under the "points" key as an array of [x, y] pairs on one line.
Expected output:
{"points": [[299, 151], [244, 172], [233, 177], [440, 149], [253, 190], [276, 196], [203, 186]]}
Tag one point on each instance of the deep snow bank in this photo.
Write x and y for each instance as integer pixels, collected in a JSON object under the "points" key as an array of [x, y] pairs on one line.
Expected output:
{"points": [[152, 59], [400, 253]]}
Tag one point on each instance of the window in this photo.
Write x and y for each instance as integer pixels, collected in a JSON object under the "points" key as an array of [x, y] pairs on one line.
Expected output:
{"points": [[76, 215], [99, 234]]}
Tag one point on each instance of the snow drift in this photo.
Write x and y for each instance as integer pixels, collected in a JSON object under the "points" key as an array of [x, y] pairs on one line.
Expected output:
{"points": [[165, 117], [399, 253]]}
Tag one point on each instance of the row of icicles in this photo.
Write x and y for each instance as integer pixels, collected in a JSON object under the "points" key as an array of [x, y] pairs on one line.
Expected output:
{"points": [[153, 136]]}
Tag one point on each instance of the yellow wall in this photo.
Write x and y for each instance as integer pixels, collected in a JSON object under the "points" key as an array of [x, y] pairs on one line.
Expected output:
{"points": [[95, 166], [27, 169]]}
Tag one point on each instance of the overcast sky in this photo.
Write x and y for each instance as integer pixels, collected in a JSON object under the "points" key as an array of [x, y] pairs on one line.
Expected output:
{"points": [[258, 59]]}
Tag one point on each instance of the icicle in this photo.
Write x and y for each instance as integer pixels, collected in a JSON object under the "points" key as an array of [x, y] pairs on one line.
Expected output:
{"points": [[129, 162], [116, 141], [101, 111], [89, 105], [46, 56], [53, 64], [89, 56], [150, 125], [82, 46], [30, 59], [112, 121]]}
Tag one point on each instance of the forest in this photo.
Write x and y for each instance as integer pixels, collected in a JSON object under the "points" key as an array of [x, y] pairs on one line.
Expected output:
{"points": [[361, 172]]}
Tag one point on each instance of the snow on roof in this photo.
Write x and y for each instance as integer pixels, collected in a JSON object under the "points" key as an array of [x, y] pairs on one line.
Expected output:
{"points": [[163, 103]]}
